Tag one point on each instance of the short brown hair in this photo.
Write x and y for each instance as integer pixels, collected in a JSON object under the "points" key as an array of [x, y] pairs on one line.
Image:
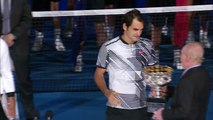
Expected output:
{"points": [[129, 16]]}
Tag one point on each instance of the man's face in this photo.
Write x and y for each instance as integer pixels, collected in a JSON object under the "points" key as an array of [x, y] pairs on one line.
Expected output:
{"points": [[133, 32]]}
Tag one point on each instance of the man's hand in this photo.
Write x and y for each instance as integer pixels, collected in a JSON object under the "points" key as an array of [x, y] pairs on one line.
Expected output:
{"points": [[158, 114], [113, 98], [9, 39]]}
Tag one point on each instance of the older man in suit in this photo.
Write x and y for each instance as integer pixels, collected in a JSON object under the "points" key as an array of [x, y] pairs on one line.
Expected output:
{"points": [[15, 22], [191, 95]]}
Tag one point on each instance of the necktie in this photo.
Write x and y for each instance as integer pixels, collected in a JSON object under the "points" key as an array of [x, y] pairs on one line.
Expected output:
{"points": [[6, 17]]}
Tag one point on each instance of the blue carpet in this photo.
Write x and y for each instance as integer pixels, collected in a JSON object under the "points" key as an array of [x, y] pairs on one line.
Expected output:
{"points": [[80, 105]]}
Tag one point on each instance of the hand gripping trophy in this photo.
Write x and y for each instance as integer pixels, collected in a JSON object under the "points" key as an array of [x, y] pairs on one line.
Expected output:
{"points": [[156, 77]]}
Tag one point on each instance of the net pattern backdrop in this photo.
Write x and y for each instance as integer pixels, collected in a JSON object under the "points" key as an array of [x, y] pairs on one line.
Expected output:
{"points": [[51, 69]]}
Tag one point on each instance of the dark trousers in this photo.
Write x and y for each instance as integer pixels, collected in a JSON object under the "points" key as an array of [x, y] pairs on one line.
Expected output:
{"points": [[21, 64], [123, 114], [79, 35], [79, 31]]}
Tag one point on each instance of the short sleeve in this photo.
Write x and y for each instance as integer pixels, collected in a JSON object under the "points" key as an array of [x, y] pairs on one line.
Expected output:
{"points": [[102, 60]]}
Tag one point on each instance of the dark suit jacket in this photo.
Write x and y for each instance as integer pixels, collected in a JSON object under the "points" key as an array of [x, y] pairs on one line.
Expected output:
{"points": [[191, 96], [20, 21]]}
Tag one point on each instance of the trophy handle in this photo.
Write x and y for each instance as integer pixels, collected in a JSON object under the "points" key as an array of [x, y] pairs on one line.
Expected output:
{"points": [[157, 90]]}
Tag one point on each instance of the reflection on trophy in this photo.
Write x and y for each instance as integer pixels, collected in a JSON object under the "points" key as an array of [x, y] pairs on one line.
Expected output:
{"points": [[156, 77]]}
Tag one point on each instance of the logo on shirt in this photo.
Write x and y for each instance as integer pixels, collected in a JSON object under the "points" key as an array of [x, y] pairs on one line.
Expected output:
{"points": [[140, 52]]}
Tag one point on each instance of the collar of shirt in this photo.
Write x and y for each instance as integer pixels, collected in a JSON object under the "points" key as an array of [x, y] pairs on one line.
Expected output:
{"points": [[190, 68]]}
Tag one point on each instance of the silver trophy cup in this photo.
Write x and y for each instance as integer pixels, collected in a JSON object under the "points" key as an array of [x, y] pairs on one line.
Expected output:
{"points": [[156, 77]]}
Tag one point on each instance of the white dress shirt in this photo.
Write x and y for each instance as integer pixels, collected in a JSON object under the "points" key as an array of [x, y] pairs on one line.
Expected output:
{"points": [[6, 75], [2, 4]]}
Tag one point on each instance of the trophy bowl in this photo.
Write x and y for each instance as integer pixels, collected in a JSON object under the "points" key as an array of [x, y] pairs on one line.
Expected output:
{"points": [[156, 76]]}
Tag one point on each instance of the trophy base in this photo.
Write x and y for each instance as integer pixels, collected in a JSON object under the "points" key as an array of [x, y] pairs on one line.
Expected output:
{"points": [[154, 104]]}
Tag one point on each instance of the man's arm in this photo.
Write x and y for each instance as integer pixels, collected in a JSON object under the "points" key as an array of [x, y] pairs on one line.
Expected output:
{"points": [[100, 81], [183, 98]]}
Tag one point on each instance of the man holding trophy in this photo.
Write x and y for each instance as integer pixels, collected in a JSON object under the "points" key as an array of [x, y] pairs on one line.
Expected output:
{"points": [[190, 99]]}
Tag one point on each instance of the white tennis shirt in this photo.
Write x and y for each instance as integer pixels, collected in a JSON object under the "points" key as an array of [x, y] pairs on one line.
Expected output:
{"points": [[124, 63]]}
